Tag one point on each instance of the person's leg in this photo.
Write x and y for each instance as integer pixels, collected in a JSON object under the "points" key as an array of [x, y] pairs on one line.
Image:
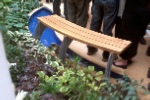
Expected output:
{"points": [[117, 26], [127, 28], [97, 16], [131, 30], [148, 51], [110, 13], [96, 22], [82, 12], [65, 9], [142, 40], [72, 11], [56, 7]]}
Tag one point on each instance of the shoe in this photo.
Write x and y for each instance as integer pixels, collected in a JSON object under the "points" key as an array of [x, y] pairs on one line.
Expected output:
{"points": [[142, 41], [148, 27], [105, 56], [148, 86], [129, 62], [148, 51], [91, 50], [123, 66], [148, 73], [47, 1]]}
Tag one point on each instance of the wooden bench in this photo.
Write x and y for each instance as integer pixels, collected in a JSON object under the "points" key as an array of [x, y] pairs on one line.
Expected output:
{"points": [[72, 31]]}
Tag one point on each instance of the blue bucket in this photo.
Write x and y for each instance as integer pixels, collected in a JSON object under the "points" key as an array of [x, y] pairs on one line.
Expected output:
{"points": [[48, 36]]}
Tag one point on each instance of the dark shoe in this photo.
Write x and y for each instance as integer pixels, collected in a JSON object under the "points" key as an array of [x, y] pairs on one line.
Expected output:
{"points": [[104, 59], [91, 50], [105, 56], [47, 1], [148, 86], [148, 73], [148, 27], [148, 51], [143, 41], [129, 62]]}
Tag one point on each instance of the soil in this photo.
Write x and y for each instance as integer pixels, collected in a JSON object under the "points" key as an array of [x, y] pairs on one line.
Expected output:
{"points": [[25, 75]]}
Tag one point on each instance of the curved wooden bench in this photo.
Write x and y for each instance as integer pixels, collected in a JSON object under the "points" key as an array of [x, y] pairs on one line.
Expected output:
{"points": [[84, 35]]}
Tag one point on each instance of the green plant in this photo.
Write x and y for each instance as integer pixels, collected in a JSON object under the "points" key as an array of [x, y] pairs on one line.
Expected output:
{"points": [[35, 95], [14, 18], [4, 10], [66, 80], [74, 83]]}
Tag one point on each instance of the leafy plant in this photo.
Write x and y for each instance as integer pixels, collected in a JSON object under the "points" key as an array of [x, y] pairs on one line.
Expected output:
{"points": [[14, 18], [74, 83], [54, 79]]}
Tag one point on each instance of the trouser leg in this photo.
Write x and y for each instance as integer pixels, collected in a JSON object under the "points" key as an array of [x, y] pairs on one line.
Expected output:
{"points": [[97, 16], [118, 26], [110, 13], [71, 11], [56, 7], [82, 13], [66, 9], [78, 11], [131, 30]]}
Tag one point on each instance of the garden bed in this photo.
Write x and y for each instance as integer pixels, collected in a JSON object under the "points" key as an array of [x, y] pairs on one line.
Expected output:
{"points": [[39, 72]]}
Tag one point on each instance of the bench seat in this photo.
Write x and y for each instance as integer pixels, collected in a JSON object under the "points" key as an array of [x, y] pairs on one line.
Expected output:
{"points": [[72, 31], [84, 35]]}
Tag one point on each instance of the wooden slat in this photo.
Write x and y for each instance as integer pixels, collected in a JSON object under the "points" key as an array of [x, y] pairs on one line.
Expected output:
{"points": [[84, 35]]}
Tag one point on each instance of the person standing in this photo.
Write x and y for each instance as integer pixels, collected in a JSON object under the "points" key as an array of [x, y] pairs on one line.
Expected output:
{"points": [[78, 14], [134, 22], [103, 11]]}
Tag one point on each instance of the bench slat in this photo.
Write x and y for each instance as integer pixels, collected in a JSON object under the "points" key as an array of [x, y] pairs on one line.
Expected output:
{"points": [[84, 35]]}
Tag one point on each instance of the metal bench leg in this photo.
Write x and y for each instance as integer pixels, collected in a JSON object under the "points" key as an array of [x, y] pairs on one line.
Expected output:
{"points": [[63, 48], [39, 30], [109, 64]]}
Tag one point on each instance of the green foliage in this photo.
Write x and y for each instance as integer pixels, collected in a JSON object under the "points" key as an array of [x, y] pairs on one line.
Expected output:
{"points": [[71, 82], [14, 15], [4, 10], [35, 95], [79, 84], [74, 83], [14, 18]]}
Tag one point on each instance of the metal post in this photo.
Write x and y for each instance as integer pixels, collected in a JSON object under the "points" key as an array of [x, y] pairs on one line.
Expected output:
{"points": [[39, 30], [109, 64], [63, 48]]}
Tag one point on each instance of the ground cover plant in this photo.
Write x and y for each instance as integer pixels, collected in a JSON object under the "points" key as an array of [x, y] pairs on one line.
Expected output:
{"points": [[40, 72]]}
